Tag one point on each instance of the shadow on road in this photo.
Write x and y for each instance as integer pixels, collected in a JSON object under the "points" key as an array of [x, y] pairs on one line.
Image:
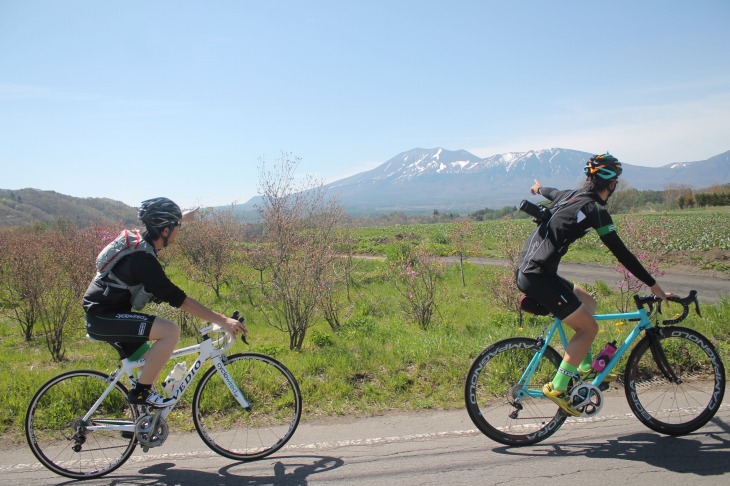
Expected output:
{"points": [[285, 470], [686, 454]]}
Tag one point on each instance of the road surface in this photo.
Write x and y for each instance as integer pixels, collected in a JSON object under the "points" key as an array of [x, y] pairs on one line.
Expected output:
{"points": [[428, 448]]}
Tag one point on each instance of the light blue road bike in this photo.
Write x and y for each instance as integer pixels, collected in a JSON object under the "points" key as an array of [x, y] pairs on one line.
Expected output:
{"points": [[674, 378]]}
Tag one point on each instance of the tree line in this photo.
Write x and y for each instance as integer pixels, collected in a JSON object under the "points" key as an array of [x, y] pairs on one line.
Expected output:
{"points": [[298, 261]]}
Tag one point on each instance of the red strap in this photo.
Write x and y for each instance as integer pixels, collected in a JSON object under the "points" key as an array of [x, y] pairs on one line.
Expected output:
{"points": [[139, 239]]}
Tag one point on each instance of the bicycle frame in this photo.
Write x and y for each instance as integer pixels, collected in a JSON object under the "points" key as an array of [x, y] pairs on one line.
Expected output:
{"points": [[206, 349], [643, 325]]}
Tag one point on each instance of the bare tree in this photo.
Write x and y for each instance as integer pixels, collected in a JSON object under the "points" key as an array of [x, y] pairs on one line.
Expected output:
{"points": [[623, 200], [341, 270], [673, 193], [505, 288], [417, 273], [66, 267], [210, 248], [461, 232], [299, 229], [22, 277]]}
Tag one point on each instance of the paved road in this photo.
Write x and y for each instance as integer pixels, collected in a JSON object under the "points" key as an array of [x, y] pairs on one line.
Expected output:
{"points": [[430, 448]]}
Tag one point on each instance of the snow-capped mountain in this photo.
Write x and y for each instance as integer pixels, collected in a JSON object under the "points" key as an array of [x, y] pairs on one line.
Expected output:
{"points": [[421, 180]]}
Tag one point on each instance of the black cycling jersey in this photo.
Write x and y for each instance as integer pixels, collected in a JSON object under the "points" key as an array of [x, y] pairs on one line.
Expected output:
{"points": [[573, 215], [133, 269]]}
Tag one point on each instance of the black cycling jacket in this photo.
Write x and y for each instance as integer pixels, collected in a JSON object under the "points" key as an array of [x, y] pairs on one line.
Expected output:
{"points": [[573, 215], [133, 269]]}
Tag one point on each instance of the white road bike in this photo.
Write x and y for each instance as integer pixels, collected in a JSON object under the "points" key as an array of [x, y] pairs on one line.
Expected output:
{"points": [[81, 425]]}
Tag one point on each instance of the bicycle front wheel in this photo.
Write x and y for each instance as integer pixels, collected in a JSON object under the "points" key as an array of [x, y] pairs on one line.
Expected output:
{"points": [[262, 429], [65, 443], [505, 410], [668, 405]]}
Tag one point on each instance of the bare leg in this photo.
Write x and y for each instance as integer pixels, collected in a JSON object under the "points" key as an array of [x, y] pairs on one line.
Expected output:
{"points": [[166, 335], [586, 329], [586, 298]]}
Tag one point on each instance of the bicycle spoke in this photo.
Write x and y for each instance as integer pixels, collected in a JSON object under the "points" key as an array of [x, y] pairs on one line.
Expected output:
{"points": [[675, 408], [237, 433], [499, 406], [61, 441]]}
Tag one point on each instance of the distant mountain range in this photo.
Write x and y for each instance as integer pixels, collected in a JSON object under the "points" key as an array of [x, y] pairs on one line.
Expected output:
{"points": [[421, 180], [416, 181]]}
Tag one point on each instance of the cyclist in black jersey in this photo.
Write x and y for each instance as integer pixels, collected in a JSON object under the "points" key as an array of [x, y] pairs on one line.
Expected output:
{"points": [[571, 216], [109, 315]]}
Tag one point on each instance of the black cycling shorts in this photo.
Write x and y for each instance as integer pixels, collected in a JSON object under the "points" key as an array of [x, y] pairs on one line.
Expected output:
{"points": [[552, 291], [120, 327]]}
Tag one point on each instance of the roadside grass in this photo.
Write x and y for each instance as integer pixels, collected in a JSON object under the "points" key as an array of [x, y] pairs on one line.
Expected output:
{"points": [[375, 362]]}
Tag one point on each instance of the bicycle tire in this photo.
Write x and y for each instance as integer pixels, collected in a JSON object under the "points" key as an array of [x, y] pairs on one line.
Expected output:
{"points": [[675, 408], [53, 429], [489, 393], [247, 435]]}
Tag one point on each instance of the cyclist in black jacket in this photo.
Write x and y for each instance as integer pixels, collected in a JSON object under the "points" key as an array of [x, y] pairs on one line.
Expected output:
{"points": [[573, 214], [109, 315]]}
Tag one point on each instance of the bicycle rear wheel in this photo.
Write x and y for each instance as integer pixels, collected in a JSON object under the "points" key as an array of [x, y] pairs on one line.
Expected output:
{"points": [[499, 407], [240, 434], [668, 406], [63, 442]]}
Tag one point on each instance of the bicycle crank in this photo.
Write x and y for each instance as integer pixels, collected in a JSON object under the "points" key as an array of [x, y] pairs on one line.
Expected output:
{"points": [[151, 431], [587, 399]]}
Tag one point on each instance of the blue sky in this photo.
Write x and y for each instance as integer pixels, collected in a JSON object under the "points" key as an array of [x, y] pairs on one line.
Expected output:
{"points": [[135, 99]]}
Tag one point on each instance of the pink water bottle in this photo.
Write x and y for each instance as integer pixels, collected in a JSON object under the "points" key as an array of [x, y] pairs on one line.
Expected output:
{"points": [[604, 356]]}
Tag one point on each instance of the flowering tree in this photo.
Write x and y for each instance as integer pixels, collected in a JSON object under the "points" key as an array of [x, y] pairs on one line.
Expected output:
{"points": [[511, 238], [46, 271], [22, 276], [417, 273], [460, 233], [646, 246], [300, 233], [209, 248]]}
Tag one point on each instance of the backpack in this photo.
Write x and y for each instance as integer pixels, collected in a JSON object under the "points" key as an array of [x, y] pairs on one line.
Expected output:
{"points": [[542, 213], [128, 242]]}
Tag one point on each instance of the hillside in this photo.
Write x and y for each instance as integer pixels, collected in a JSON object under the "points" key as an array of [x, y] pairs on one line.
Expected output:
{"points": [[25, 207]]}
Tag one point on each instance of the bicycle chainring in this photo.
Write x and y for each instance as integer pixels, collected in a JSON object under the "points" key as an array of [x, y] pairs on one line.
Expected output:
{"points": [[146, 436], [587, 399]]}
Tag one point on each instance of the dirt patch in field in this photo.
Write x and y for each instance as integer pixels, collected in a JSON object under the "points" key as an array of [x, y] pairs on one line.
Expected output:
{"points": [[712, 263]]}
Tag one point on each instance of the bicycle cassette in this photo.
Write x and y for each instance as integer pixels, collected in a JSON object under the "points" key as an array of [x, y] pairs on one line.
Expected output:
{"points": [[587, 399]]}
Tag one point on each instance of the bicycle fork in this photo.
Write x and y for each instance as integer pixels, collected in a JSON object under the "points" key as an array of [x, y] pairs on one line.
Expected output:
{"points": [[660, 357], [220, 364]]}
